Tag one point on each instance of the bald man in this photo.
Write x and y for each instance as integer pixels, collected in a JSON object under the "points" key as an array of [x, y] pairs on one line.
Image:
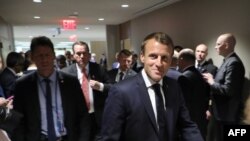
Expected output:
{"points": [[226, 87], [201, 63]]}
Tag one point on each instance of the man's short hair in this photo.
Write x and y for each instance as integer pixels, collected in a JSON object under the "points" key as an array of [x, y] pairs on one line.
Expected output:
{"points": [[160, 37], [41, 41], [125, 52], [187, 55], [13, 59]]}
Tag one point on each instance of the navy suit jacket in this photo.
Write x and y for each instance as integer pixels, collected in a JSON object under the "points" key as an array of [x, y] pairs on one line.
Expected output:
{"points": [[96, 72], [7, 80], [227, 90], [26, 102], [129, 116]]}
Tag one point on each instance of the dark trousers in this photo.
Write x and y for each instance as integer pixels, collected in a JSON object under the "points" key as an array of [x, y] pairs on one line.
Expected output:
{"points": [[215, 129], [94, 132]]}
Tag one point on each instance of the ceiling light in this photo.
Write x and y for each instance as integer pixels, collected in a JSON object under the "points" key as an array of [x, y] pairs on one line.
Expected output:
{"points": [[37, 1], [87, 28], [37, 17], [101, 19], [124, 5]]}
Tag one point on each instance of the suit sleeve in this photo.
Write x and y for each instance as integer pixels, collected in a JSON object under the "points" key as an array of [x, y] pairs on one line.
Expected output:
{"points": [[114, 116], [233, 79]]}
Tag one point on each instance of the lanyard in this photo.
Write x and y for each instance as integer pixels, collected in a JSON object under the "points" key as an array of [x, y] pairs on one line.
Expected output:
{"points": [[59, 121]]}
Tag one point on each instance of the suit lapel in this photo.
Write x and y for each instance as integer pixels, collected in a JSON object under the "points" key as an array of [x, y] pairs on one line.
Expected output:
{"points": [[63, 92], [146, 101], [34, 97]]}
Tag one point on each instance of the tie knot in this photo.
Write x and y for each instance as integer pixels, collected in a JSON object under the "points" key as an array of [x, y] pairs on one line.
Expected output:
{"points": [[47, 80], [84, 69], [156, 86]]}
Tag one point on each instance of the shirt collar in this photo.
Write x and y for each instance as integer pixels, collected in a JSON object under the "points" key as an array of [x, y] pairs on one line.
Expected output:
{"points": [[79, 69], [148, 81], [228, 55]]}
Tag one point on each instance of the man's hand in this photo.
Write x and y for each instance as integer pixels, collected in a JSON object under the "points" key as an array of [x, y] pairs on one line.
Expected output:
{"points": [[95, 85], [208, 78], [208, 115]]}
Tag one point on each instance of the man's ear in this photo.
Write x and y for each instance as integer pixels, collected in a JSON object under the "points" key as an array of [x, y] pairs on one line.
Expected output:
{"points": [[142, 57]]}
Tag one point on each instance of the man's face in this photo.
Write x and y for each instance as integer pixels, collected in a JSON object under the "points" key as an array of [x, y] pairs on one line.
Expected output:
{"points": [[221, 45], [125, 61], [43, 56], [201, 53], [81, 55], [157, 59]]}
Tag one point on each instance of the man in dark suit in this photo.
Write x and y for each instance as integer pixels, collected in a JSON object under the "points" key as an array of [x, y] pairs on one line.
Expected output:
{"points": [[51, 101], [226, 87], [124, 71], [96, 92], [201, 63], [149, 106], [8, 76], [195, 89]]}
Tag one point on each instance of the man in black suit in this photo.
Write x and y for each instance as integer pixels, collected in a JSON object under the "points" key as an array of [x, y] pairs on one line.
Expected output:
{"points": [[226, 87], [51, 101], [96, 92], [8, 76], [148, 106], [195, 89], [124, 71], [201, 63]]}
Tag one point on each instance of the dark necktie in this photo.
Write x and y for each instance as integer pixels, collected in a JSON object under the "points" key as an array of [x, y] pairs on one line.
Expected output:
{"points": [[199, 67], [50, 122], [121, 76], [160, 111]]}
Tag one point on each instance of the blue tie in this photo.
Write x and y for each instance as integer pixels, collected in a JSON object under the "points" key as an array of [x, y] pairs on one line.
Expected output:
{"points": [[160, 111], [50, 122]]}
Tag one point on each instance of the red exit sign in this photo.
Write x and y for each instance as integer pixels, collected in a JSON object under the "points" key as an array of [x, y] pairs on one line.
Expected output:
{"points": [[69, 24]]}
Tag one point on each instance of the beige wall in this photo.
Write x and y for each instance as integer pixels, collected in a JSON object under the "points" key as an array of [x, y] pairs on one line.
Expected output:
{"points": [[98, 47], [191, 22], [6, 38]]}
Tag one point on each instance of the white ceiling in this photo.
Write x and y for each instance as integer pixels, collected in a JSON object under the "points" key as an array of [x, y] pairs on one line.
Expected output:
{"points": [[20, 13]]}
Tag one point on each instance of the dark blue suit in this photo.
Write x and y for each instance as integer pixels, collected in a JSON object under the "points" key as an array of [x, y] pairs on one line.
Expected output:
{"points": [[7, 80], [129, 116], [26, 102]]}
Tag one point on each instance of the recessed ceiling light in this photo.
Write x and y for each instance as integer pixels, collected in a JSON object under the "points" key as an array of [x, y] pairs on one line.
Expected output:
{"points": [[124, 5], [37, 1], [37, 17], [87, 28], [101, 19]]}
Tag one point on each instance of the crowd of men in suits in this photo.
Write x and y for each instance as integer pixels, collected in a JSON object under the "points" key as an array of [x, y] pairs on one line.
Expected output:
{"points": [[174, 96]]}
